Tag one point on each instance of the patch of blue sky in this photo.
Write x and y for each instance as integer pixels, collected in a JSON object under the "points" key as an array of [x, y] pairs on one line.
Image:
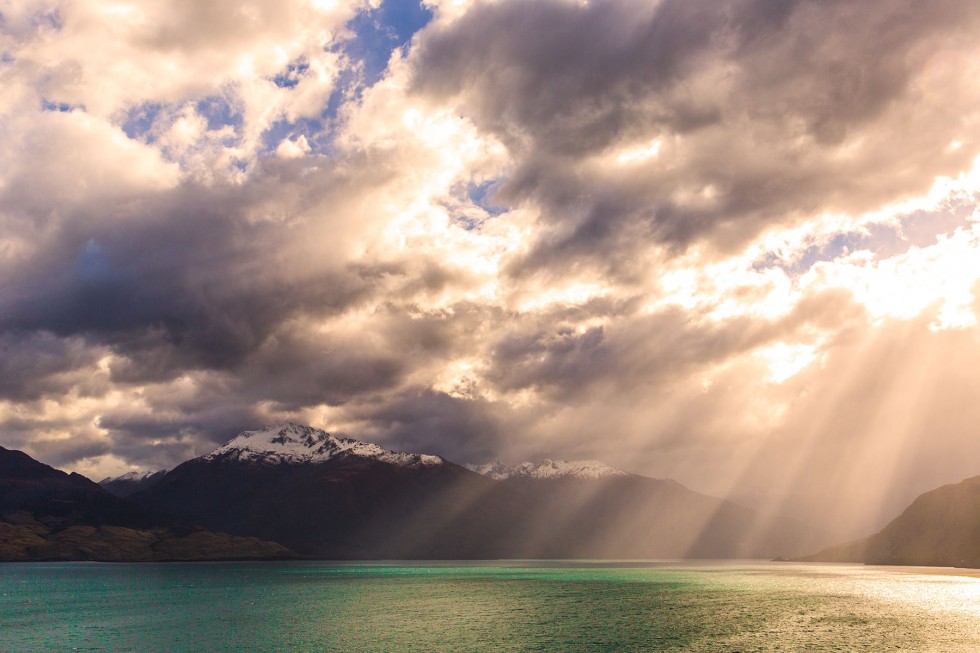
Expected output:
{"points": [[377, 33], [61, 107], [838, 246], [484, 196], [478, 206], [219, 113], [6, 58], [318, 131], [290, 77], [917, 229], [138, 121], [348, 87], [285, 129], [469, 222]]}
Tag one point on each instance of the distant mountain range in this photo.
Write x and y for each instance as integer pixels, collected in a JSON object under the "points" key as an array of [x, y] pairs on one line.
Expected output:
{"points": [[596, 511], [940, 528], [329, 497], [547, 469], [131, 482], [46, 514]]}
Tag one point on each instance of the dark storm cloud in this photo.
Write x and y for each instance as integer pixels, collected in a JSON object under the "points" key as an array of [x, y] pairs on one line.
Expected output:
{"points": [[162, 294], [188, 279], [413, 419], [64, 453], [365, 374], [755, 103], [561, 357], [297, 367], [202, 282], [425, 420], [36, 364], [175, 433], [566, 75], [20, 431], [30, 434], [569, 365], [295, 370]]}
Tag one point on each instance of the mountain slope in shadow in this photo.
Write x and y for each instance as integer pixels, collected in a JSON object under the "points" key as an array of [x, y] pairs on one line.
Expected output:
{"points": [[347, 506], [331, 497], [46, 514], [940, 528]]}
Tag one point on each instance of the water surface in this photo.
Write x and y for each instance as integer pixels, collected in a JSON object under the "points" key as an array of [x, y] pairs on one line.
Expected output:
{"points": [[533, 606]]}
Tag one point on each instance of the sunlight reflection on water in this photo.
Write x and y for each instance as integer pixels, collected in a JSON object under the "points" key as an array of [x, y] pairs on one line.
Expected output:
{"points": [[487, 606]]}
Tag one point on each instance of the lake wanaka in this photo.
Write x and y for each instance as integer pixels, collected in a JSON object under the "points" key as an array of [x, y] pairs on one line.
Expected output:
{"points": [[487, 606]]}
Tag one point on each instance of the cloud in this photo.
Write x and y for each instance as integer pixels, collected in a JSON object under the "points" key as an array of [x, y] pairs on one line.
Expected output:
{"points": [[699, 240], [189, 268], [419, 419], [759, 113], [37, 364]]}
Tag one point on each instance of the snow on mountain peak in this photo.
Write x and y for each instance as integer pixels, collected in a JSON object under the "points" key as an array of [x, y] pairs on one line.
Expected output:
{"points": [[134, 476], [294, 443], [547, 469]]}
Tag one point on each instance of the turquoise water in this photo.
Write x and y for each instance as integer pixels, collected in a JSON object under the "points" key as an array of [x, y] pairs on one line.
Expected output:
{"points": [[534, 606]]}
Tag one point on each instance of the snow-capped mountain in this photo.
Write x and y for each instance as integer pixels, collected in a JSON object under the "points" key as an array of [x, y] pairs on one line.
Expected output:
{"points": [[131, 477], [131, 482], [334, 497], [547, 469], [293, 444], [331, 497]]}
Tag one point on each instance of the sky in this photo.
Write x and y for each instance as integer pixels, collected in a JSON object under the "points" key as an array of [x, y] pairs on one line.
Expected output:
{"points": [[730, 242]]}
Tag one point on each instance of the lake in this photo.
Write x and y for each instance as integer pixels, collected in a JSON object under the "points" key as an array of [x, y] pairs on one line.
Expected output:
{"points": [[488, 606]]}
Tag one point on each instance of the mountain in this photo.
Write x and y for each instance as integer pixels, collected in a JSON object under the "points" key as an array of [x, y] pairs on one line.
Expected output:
{"points": [[940, 528], [131, 482], [829, 518], [294, 444], [592, 510], [46, 514], [333, 497], [547, 469], [330, 497]]}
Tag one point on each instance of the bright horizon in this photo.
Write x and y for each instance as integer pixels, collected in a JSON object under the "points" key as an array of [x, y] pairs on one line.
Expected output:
{"points": [[720, 242]]}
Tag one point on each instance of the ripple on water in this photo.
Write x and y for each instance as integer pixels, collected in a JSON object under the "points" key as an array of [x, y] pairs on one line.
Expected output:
{"points": [[529, 606]]}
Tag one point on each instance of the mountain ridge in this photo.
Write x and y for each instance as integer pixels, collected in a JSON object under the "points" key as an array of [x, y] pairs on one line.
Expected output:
{"points": [[325, 496], [131, 482], [330, 497], [294, 443], [940, 527], [370, 502], [548, 468], [47, 514]]}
